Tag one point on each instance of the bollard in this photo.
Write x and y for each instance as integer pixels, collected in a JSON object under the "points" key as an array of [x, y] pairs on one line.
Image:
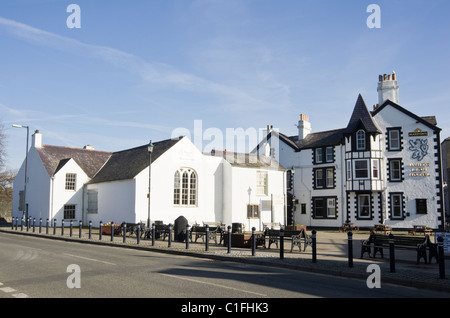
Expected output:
{"points": [[47, 223], [282, 243], [34, 224], [314, 246], [253, 241], [100, 232], [62, 227], [124, 231], [391, 253], [90, 229], [207, 238], [350, 249], [138, 234], [229, 239], [80, 232], [40, 225], [71, 227], [12, 224], [28, 221], [112, 231], [169, 244], [153, 234], [441, 257], [187, 236], [17, 221], [54, 227]]}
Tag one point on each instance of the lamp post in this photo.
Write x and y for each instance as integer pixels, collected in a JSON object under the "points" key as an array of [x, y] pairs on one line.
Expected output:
{"points": [[25, 212], [150, 150]]}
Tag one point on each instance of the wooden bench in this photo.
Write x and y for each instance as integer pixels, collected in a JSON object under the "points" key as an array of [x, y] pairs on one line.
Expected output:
{"points": [[200, 232], [132, 228], [296, 237], [381, 228], [347, 226], [420, 229], [380, 241]]}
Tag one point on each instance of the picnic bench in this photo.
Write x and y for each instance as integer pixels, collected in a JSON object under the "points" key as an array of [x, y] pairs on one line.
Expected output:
{"points": [[296, 237], [200, 232], [347, 226], [380, 241], [381, 228], [421, 229]]}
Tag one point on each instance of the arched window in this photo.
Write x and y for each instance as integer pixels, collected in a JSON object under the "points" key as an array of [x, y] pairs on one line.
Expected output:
{"points": [[361, 140], [185, 187]]}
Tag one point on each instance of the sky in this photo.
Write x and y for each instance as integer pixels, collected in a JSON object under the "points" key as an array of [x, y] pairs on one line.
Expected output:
{"points": [[133, 71]]}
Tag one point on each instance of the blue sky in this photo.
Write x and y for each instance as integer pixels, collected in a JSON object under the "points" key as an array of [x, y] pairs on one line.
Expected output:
{"points": [[137, 70]]}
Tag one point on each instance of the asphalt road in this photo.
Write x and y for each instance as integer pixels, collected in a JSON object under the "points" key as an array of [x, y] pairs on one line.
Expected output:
{"points": [[44, 268]]}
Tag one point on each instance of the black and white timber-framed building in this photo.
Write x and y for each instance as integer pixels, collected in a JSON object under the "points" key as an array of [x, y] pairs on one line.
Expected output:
{"points": [[383, 167]]}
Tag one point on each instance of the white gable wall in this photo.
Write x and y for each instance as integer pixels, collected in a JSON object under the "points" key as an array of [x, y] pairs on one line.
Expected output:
{"points": [[38, 188], [209, 181]]}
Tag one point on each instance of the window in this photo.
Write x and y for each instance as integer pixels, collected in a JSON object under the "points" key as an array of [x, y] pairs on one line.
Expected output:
{"points": [[92, 201], [71, 181], [185, 185], [375, 169], [394, 141], [395, 170], [176, 188], [396, 205], [252, 211], [324, 207], [361, 140], [421, 206], [364, 206], [349, 170], [319, 178], [330, 178], [329, 154], [319, 152], [261, 183], [69, 211], [324, 178], [361, 169]]}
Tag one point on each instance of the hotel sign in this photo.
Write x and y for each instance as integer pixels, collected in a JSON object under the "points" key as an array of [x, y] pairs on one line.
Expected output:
{"points": [[419, 169], [418, 133]]}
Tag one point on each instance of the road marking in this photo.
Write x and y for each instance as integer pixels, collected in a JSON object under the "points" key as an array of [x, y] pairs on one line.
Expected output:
{"points": [[90, 259], [7, 289], [20, 295], [216, 285]]}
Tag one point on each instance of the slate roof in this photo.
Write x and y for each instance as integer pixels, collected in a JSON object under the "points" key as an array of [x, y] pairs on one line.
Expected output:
{"points": [[246, 160], [361, 118], [55, 157], [126, 164]]}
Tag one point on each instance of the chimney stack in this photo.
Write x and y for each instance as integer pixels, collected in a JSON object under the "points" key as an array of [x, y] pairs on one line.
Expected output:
{"points": [[387, 88], [36, 140], [304, 127]]}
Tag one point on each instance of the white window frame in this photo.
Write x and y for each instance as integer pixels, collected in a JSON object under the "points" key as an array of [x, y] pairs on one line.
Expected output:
{"points": [[329, 154], [349, 170], [396, 206], [375, 169], [360, 140], [262, 183], [185, 187], [396, 139], [331, 207], [319, 155], [360, 206], [391, 170], [71, 182]]}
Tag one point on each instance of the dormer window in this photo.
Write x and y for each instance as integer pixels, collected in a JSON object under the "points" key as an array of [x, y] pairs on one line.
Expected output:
{"points": [[361, 140]]}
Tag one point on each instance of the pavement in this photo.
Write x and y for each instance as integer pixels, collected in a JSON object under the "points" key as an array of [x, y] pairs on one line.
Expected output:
{"points": [[331, 256]]}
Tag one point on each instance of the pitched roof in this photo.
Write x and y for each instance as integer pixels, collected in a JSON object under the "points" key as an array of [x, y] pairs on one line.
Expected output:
{"points": [[248, 160], [322, 139], [55, 157], [429, 121], [361, 118], [126, 164]]}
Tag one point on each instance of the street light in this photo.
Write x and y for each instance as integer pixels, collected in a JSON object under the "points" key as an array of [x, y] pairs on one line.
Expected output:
{"points": [[150, 150], [25, 210]]}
